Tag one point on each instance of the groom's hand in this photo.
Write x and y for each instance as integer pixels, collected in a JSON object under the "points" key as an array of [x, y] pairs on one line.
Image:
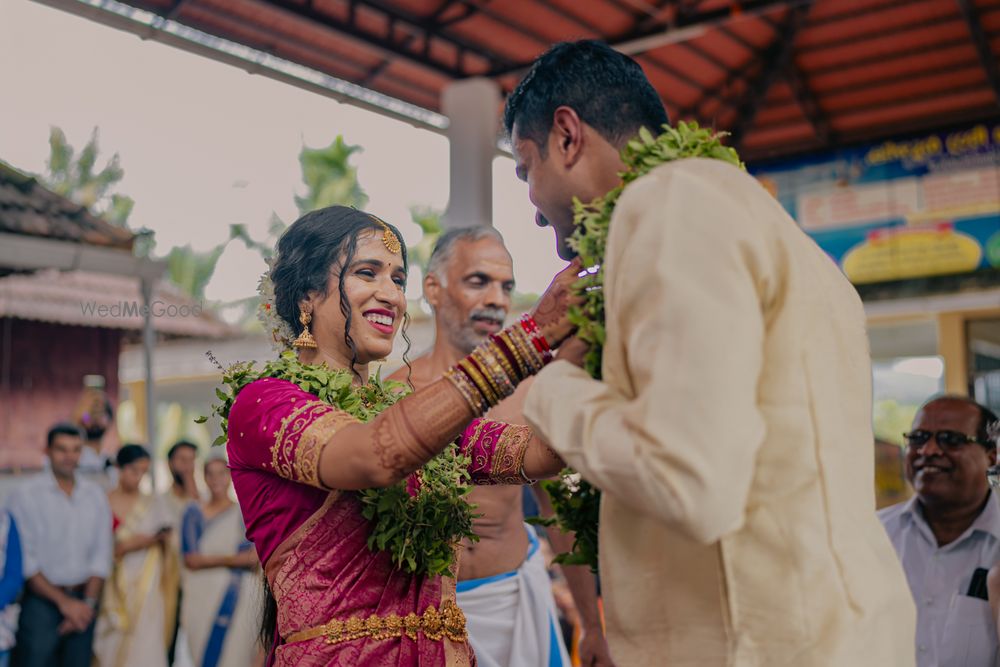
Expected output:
{"points": [[551, 313]]}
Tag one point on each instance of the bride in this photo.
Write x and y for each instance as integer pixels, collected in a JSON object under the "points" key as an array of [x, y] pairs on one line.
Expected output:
{"points": [[340, 484]]}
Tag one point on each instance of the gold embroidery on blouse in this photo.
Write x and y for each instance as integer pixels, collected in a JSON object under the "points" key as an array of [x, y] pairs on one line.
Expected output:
{"points": [[314, 438], [435, 625], [508, 457], [283, 448], [480, 459]]}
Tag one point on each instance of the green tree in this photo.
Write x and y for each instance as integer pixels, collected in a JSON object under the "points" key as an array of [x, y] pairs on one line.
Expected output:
{"points": [[429, 221], [329, 177], [79, 178], [190, 270]]}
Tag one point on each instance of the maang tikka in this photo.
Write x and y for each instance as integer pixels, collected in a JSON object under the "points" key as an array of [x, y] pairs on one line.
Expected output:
{"points": [[390, 240]]}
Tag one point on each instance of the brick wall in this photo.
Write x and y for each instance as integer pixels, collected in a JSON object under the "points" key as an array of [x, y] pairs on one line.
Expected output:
{"points": [[41, 376]]}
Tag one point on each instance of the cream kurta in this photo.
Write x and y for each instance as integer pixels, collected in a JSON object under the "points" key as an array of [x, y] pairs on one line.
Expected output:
{"points": [[732, 438]]}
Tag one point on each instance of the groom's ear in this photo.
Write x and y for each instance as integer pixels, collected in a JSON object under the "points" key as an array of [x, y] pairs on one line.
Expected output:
{"points": [[567, 131]]}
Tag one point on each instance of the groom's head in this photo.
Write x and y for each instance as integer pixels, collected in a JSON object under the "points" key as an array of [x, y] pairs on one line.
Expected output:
{"points": [[568, 120]]}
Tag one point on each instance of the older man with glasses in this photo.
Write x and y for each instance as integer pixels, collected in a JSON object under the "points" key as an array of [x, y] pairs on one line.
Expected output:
{"points": [[948, 535]]}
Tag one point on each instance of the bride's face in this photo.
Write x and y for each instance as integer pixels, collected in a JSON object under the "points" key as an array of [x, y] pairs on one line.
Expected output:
{"points": [[374, 283]]}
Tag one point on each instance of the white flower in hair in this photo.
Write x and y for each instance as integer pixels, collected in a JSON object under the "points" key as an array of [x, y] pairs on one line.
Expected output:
{"points": [[267, 313]]}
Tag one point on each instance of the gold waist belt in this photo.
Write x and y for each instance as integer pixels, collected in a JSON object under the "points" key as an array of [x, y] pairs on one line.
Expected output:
{"points": [[434, 624]]}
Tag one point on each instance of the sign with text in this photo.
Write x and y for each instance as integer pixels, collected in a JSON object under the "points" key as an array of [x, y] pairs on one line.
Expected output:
{"points": [[924, 206]]}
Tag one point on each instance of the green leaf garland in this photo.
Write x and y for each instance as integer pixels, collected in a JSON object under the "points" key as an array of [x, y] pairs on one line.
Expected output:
{"points": [[577, 502]]}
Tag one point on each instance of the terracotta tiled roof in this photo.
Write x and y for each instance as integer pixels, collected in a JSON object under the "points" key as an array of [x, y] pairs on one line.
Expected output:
{"points": [[28, 208], [102, 300], [784, 76]]}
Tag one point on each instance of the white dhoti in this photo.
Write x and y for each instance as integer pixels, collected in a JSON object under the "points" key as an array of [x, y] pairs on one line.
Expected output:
{"points": [[511, 617]]}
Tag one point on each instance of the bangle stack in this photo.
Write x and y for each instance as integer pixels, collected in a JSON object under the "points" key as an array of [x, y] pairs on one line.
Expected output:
{"points": [[495, 368]]}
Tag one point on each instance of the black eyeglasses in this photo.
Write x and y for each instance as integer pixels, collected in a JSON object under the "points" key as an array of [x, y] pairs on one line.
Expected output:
{"points": [[946, 439]]}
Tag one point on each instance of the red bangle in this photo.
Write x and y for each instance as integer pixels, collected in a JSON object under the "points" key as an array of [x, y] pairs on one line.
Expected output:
{"points": [[537, 339], [531, 328]]}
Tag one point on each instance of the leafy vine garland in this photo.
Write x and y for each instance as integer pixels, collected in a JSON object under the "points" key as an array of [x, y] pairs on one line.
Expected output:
{"points": [[420, 531], [577, 502]]}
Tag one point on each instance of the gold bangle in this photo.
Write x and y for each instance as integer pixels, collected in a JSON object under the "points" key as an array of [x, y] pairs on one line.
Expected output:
{"points": [[479, 381], [467, 390], [528, 351], [487, 371], [502, 359], [522, 367], [501, 379]]}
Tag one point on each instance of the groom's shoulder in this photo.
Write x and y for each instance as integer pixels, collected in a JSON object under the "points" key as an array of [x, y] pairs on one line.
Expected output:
{"points": [[690, 187], [689, 181]]}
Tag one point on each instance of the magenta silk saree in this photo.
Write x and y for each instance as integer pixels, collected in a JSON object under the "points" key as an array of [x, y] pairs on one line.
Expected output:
{"points": [[359, 609]]}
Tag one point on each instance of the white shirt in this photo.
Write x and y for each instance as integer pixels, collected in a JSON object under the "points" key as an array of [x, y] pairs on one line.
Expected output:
{"points": [[953, 629], [66, 538]]}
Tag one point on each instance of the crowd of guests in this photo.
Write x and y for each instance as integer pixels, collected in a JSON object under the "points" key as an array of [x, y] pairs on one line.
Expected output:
{"points": [[120, 577]]}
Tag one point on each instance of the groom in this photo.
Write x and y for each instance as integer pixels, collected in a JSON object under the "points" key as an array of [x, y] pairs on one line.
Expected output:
{"points": [[732, 432]]}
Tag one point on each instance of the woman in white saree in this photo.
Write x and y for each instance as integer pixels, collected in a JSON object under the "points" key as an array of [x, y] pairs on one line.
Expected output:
{"points": [[131, 629], [221, 589]]}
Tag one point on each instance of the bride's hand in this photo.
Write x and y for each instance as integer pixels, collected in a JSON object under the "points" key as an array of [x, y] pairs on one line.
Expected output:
{"points": [[551, 313]]}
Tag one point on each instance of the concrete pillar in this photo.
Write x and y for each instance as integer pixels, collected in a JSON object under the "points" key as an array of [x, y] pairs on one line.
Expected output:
{"points": [[472, 107], [148, 343]]}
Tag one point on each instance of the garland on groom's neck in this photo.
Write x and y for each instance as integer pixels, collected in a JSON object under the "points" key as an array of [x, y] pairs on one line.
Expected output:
{"points": [[575, 501]]}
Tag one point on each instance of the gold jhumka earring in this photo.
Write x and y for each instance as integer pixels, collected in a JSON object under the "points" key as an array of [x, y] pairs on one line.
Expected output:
{"points": [[305, 338]]}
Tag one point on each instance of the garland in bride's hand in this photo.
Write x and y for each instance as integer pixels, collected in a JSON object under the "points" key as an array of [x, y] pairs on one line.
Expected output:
{"points": [[421, 532], [575, 500]]}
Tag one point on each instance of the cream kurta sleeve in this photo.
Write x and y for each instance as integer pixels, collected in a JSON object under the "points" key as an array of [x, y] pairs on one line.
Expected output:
{"points": [[674, 429]]}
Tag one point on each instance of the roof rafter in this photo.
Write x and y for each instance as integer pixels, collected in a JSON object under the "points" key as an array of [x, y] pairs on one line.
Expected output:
{"points": [[986, 55], [693, 18], [385, 43], [734, 75], [775, 61], [808, 103]]}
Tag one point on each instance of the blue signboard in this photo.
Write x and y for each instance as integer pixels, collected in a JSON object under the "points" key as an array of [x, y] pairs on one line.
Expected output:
{"points": [[924, 206]]}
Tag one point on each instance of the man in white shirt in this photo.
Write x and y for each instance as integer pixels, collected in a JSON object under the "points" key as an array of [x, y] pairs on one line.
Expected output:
{"points": [[948, 535], [65, 526]]}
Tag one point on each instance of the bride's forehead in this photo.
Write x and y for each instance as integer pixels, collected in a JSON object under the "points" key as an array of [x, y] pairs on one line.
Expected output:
{"points": [[371, 246]]}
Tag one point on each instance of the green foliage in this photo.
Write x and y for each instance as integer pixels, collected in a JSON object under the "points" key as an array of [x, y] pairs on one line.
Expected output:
{"points": [[190, 270], [330, 178], [78, 178], [423, 532], [429, 221], [577, 506], [420, 532]]}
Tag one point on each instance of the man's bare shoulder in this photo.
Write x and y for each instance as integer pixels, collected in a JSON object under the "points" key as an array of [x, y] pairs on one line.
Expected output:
{"points": [[419, 373]]}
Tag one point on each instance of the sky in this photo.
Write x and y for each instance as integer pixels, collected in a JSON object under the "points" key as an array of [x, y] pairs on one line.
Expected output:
{"points": [[205, 145]]}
